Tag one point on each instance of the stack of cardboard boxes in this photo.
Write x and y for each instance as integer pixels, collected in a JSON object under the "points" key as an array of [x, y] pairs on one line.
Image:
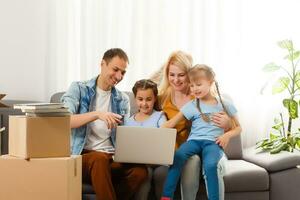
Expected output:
{"points": [[39, 165]]}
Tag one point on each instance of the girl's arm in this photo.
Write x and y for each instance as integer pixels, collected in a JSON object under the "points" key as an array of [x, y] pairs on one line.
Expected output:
{"points": [[172, 122], [235, 130]]}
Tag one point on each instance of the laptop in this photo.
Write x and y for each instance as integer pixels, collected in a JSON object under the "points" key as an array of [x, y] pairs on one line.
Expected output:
{"points": [[145, 145]]}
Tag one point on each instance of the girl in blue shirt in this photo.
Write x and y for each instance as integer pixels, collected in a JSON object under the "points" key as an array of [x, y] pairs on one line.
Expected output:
{"points": [[205, 139], [149, 115], [149, 112]]}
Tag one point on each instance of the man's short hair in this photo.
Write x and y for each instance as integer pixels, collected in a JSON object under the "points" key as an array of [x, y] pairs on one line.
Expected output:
{"points": [[111, 53]]}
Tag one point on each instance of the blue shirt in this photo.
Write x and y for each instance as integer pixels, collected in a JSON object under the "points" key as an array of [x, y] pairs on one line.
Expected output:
{"points": [[78, 99], [201, 129], [155, 120]]}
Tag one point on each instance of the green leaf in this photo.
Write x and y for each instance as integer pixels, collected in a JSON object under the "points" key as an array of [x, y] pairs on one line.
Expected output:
{"points": [[267, 148], [296, 55], [271, 67], [286, 44], [279, 148], [293, 56], [298, 142], [267, 144], [292, 107], [280, 85], [276, 127], [260, 143], [273, 136], [264, 140], [297, 79], [264, 143]]}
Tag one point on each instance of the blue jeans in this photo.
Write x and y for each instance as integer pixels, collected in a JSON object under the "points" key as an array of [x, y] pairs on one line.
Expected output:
{"points": [[211, 154]]}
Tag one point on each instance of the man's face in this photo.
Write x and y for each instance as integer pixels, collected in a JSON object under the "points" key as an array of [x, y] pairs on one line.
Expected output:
{"points": [[113, 71]]}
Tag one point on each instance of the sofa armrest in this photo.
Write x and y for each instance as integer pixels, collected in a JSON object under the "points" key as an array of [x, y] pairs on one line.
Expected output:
{"points": [[272, 162]]}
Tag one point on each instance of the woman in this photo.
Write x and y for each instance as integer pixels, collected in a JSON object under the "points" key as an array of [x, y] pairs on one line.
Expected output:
{"points": [[174, 93]]}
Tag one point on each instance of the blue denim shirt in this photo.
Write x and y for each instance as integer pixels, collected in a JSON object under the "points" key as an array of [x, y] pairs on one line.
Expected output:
{"points": [[78, 99]]}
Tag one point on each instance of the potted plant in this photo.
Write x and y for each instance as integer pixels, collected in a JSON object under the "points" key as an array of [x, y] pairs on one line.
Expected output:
{"points": [[283, 138]]}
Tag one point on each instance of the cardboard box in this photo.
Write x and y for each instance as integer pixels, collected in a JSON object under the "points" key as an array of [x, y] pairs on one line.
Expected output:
{"points": [[39, 137], [40, 178], [2, 104]]}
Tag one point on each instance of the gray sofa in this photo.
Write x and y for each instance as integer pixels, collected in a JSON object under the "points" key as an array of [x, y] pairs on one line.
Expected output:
{"points": [[250, 175]]}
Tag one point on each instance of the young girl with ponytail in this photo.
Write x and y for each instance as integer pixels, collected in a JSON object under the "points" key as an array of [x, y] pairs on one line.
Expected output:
{"points": [[206, 139]]}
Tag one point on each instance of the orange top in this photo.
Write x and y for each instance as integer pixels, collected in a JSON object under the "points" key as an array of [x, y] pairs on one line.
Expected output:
{"points": [[183, 127]]}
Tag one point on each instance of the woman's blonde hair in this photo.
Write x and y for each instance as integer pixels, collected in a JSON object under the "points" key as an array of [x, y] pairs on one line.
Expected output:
{"points": [[204, 71], [180, 59]]}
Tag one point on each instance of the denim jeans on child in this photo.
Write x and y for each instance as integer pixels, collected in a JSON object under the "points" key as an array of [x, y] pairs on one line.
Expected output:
{"points": [[213, 158]]}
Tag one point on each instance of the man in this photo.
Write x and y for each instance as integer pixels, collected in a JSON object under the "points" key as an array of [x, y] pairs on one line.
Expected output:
{"points": [[97, 107]]}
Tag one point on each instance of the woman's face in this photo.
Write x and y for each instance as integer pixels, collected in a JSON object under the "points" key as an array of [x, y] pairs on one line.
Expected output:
{"points": [[178, 78]]}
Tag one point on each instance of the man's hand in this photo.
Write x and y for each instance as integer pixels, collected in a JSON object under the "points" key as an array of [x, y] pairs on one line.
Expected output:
{"points": [[222, 120], [223, 140], [111, 119]]}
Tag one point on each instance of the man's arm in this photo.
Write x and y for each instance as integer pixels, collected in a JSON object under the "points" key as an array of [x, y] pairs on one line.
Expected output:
{"points": [[71, 99], [111, 119]]}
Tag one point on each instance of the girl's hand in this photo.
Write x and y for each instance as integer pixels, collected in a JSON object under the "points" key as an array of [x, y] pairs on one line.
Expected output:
{"points": [[111, 119], [223, 140], [222, 120]]}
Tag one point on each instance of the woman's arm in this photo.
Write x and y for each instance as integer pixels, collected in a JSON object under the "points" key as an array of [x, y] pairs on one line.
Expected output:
{"points": [[172, 122], [222, 120], [236, 129], [111, 119]]}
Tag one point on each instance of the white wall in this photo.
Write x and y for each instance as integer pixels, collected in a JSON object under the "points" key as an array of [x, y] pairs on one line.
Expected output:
{"points": [[23, 49]]}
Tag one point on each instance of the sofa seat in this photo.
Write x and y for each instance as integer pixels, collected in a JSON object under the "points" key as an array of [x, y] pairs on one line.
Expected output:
{"points": [[88, 192], [243, 176], [240, 176]]}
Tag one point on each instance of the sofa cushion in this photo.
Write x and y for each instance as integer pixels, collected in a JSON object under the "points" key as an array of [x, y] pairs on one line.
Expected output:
{"points": [[242, 176], [55, 98], [272, 162], [234, 148], [285, 184], [133, 107]]}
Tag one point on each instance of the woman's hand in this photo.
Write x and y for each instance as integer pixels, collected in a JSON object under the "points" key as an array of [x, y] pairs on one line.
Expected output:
{"points": [[235, 130], [222, 120], [111, 119], [223, 140]]}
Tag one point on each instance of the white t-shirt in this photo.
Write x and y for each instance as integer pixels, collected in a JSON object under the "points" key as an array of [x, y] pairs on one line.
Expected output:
{"points": [[98, 138]]}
